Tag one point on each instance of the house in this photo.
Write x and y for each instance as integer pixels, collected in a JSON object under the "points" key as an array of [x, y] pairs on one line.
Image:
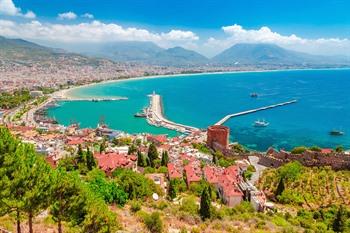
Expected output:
{"points": [[157, 139], [108, 162], [229, 190], [173, 172], [193, 174]]}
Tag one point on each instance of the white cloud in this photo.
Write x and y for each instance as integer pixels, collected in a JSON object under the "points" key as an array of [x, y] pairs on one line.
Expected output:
{"points": [[67, 15], [237, 34], [94, 31], [7, 7], [88, 16]]}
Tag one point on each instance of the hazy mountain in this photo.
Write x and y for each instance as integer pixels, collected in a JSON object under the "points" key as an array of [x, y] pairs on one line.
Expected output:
{"points": [[25, 52], [270, 54], [148, 53]]}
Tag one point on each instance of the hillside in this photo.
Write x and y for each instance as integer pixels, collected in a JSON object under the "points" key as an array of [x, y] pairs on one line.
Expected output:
{"points": [[270, 54], [18, 51], [310, 188]]}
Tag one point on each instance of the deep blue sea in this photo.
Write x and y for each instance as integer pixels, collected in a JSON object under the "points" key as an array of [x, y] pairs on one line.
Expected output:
{"points": [[201, 100]]}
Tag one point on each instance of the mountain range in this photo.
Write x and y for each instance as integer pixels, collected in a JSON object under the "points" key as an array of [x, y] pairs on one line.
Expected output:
{"points": [[149, 53]]}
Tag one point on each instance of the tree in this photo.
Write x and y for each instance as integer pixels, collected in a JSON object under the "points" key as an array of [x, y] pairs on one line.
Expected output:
{"points": [[339, 149], [102, 147], [172, 192], [152, 154], [67, 201], [205, 205], [140, 159], [339, 221], [165, 159], [132, 149], [12, 180], [80, 154], [38, 184], [106, 189], [215, 160], [280, 187], [90, 160]]}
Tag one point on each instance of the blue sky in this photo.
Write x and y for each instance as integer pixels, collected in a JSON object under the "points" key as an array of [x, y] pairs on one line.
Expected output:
{"points": [[319, 26]]}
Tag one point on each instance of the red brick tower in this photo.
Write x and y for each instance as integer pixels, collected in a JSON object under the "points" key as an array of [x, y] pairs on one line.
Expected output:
{"points": [[218, 137]]}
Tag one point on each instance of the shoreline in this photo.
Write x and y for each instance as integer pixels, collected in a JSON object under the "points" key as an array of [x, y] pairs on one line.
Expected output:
{"points": [[66, 94]]}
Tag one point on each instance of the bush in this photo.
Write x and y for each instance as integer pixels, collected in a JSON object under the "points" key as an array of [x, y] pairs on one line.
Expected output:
{"points": [[299, 150], [189, 205], [135, 206], [153, 222]]}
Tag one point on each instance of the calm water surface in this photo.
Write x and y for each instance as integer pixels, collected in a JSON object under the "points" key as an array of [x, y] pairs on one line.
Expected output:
{"points": [[201, 100]]}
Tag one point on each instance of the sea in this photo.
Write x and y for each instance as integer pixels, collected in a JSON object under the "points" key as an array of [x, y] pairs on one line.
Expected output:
{"points": [[323, 105]]}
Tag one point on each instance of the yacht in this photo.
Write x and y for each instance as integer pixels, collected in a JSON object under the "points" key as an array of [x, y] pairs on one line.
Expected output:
{"points": [[261, 123], [254, 95], [336, 133]]}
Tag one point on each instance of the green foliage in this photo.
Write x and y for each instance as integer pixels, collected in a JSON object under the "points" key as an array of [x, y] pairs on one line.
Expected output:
{"points": [[141, 161], [132, 149], [172, 189], [136, 185], [205, 205], [135, 206], [67, 202], [339, 220], [290, 171], [106, 189], [153, 222], [299, 150], [339, 149], [198, 187], [201, 148], [247, 175], [315, 148], [152, 154], [280, 187], [12, 100], [189, 205], [165, 159], [239, 149], [125, 141]]}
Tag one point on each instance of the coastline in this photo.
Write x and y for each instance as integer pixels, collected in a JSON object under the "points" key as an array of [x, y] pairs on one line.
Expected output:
{"points": [[67, 94]]}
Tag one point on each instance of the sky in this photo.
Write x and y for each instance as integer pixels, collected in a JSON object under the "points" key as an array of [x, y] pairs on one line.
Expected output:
{"points": [[206, 26]]}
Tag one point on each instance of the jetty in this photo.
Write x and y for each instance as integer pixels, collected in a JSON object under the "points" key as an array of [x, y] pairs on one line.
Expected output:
{"points": [[226, 118], [155, 116]]}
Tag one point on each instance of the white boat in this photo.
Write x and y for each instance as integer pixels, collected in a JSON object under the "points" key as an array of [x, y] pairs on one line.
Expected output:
{"points": [[261, 123]]}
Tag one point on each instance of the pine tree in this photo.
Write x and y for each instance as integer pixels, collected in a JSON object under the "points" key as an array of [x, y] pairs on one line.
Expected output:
{"points": [[80, 155], [205, 205], [102, 147], [152, 154], [37, 188], [67, 201], [172, 189], [280, 188], [215, 160], [140, 159], [165, 159], [339, 221], [90, 160]]}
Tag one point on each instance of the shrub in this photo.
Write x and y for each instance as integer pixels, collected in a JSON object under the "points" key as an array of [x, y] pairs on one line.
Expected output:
{"points": [[189, 205], [135, 206], [153, 222]]}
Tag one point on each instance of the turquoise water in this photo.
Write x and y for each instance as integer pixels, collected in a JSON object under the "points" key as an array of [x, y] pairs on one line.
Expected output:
{"points": [[201, 100]]}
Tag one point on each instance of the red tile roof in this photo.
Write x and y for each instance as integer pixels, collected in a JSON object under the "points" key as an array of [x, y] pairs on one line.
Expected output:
{"points": [[192, 174], [326, 151], [110, 161], [173, 172]]}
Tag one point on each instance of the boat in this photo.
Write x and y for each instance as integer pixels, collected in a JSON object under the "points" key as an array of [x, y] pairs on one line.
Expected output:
{"points": [[141, 114], [336, 133], [261, 123], [254, 95]]}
